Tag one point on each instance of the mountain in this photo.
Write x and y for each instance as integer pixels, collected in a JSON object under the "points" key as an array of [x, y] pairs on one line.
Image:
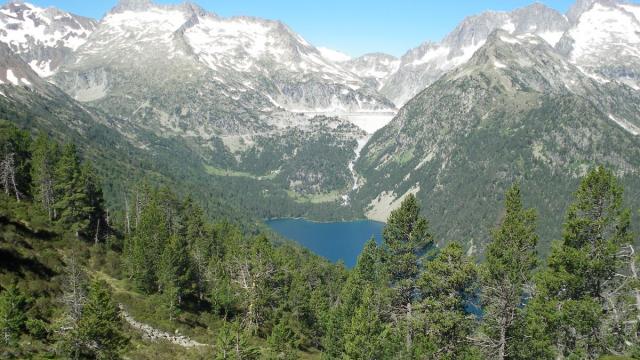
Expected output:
{"points": [[423, 65], [604, 40], [516, 111], [44, 38], [374, 68], [257, 64], [223, 85]]}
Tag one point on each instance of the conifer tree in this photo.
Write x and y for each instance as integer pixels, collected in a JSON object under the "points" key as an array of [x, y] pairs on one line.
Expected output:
{"points": [[510, 259], [201, 243], [145, 247], [365, 330], [367, 273], [97, 225], [281, 343], [101, 325], [232, 344], [72, 203], [572, 295], [446, 285], [12, 314], [44, 156], [174, 273], [406, 239]]}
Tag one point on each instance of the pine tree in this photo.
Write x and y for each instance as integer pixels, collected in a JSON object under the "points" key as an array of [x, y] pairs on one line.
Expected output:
{"points": [[101, 325], [145, 247], [510, 260], [367, 273], [255, 272], [365, 332], [72, 202], [174, 273], [44, 156], [12, 314], [281, 343], [573, 295], [232, 344], [446, 285], [97, 226], [201, 242], [406, 239]]}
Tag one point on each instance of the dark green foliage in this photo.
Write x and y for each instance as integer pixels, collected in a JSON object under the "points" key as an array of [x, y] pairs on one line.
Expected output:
{"points": [[446, 284], [281, 344], [510, 260], [174, 273], [12, 315], [406, 238], [248, 297], [44, 157], [101, 325], [575, 295], [232, 343], [14, 148]]}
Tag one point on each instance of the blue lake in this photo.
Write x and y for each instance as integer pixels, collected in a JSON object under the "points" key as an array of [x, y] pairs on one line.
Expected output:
{"points": [[334, 241]]}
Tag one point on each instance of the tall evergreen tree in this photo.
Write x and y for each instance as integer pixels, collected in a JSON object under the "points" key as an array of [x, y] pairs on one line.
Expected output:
{"points": [[510, 260], [201, 242], [280, 343], [367, 273], [572, 295], [446, 285], [365, 332], [406, 238], [101, 325], [72, 203], [145, 247], [44, 156], [174, 273], [12, 314], [97, 226]]}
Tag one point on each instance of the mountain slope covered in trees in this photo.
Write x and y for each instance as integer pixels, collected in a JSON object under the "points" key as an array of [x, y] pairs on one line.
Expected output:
{"points": [[518, 111], [73, 271]]}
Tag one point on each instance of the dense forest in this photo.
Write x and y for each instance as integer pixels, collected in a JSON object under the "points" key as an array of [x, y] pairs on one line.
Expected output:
{"points": [[160, 280]]}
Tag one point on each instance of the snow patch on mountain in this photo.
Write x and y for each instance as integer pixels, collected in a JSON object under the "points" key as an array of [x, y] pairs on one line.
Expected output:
{"points": [[629, 127], [333, 55], [12, 78], [44, 38]]}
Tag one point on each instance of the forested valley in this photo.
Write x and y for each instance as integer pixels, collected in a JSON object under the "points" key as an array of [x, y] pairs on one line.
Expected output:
{"points": [[81, 281]]}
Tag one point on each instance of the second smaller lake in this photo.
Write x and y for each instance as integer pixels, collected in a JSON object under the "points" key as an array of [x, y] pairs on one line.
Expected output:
{"points": [[334, 241]]}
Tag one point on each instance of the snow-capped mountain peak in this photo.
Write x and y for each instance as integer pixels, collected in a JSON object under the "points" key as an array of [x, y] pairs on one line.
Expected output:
{"points": [[604, 41], [44, 38], [424, 64]]}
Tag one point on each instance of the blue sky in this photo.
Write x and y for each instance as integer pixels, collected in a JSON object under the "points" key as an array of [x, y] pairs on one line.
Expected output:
{"points": [[351, 26]]}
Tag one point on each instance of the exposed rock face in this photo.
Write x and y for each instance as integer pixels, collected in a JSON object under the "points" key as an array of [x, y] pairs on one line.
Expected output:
{"points": [[518, 110], [44, 38], [422, 66], [604, 40]]}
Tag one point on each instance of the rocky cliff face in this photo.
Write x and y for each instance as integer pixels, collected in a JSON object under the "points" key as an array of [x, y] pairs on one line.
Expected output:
{"points": [[44, 38], [518, 110], [423, 65]]}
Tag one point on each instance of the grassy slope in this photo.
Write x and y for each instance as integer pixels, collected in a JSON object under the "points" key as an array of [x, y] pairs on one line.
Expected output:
{"points": [[32, 252]]}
